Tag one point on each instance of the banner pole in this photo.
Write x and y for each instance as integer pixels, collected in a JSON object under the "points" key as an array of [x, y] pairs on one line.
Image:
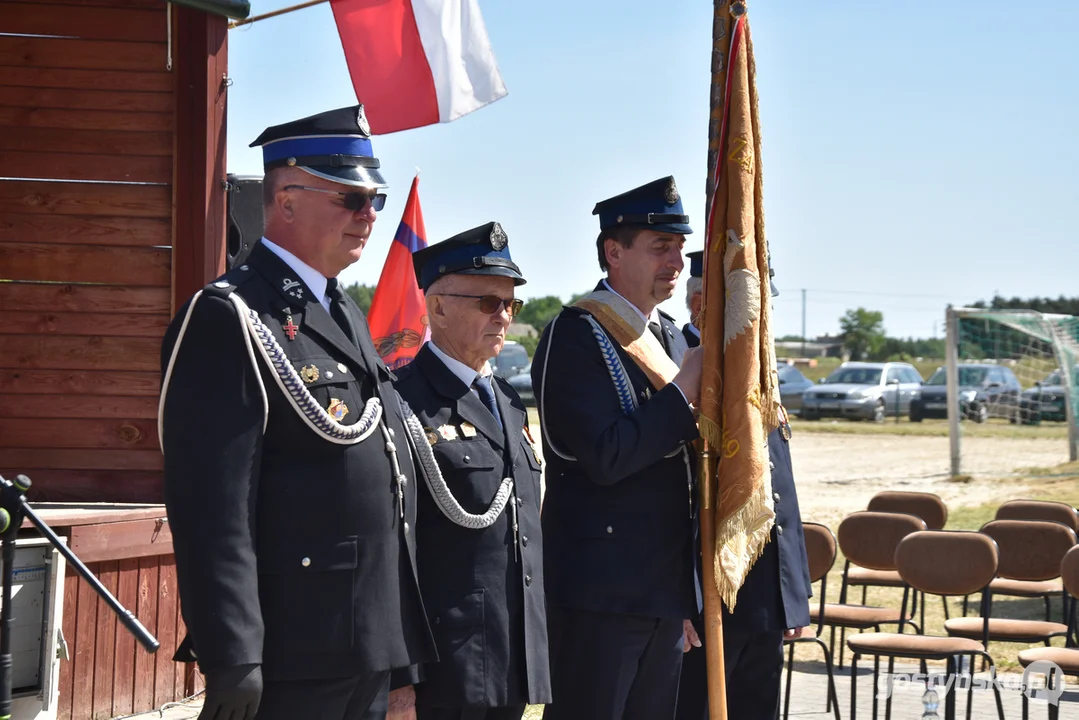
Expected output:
{"points": [[275, 13], [713, 611]]}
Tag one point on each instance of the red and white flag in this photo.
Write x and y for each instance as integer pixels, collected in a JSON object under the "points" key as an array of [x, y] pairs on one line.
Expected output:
{"points": [[417, 62]]}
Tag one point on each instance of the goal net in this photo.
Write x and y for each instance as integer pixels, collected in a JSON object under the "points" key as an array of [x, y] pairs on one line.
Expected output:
{"points": [[1010, 366]]}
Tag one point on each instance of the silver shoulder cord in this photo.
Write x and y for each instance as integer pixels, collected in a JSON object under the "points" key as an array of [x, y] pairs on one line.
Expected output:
{"points": [[623, 386]]}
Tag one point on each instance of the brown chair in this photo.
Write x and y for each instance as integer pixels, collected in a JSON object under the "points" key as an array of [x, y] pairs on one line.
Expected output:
{"points": [[934, 562], [930, 508], [1067, 659], [869, 540], [820, 550], [1029, 557], [1039, 510]]}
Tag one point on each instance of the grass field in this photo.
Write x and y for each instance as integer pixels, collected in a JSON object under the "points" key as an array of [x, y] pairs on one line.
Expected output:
{"points": [[933, 428]]}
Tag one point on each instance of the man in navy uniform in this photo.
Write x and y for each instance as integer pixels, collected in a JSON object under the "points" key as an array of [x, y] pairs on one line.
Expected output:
{"points": [[615, 383], [288, 481], [479, 544], [772, 604], [694, 287]]}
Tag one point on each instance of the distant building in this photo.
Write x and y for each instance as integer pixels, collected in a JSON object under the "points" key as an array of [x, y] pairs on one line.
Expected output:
{"points": [[521, 329], [819, 348]]}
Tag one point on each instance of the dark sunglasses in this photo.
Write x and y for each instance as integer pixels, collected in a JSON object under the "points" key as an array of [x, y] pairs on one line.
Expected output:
{"points": [[490, 304], [353, 201]]}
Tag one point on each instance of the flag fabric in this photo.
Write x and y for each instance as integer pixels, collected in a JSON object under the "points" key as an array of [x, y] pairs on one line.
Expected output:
{"points": [[398, 314], [740, 401], [417, 62]]}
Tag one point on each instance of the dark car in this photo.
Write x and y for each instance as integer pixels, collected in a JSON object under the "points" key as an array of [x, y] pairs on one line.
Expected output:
{"points": [[792, 383], [1045, 401], [510, 361], [985, 391], [522, 383]]}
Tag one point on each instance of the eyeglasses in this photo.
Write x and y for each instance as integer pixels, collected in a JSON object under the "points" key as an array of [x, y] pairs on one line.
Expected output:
{"points": [[353, 201], [490, 304]]}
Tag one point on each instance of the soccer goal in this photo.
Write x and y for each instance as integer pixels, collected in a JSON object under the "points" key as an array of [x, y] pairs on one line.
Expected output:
{"points": [[1017, 366]]}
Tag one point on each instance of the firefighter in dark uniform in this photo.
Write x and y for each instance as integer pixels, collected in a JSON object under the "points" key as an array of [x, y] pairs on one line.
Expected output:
{"points": [[617, 518], [693, 297], [772, 603], [479, 544], [289, 486]]}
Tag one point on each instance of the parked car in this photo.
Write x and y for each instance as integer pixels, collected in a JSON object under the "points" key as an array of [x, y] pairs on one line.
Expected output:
{"points": [[1045, 401], [863, 391], [792, 383], [985, 391], [522, 383], [511, 360]]}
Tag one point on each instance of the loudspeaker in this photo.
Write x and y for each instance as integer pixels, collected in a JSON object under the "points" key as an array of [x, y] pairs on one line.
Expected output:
{"points": [[245, 220]]}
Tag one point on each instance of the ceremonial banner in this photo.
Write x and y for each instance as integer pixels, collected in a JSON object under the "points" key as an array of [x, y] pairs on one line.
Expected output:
{"points": [[739, 386], [417, 62], [398, 315]]}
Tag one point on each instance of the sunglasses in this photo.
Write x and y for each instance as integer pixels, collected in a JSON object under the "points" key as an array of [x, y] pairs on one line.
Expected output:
{"points": [[353, 201], [490, 304]]}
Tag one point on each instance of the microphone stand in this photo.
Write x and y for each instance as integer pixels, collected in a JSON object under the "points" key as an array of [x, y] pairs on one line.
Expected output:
{"points": [[13, 508]]}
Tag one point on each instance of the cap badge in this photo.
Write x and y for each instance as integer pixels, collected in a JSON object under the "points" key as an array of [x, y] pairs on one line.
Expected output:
{"points": [[361, 121], [671, 193], [498, 237]]}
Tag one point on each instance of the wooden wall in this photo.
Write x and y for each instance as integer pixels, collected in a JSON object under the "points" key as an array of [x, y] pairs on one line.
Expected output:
{"points": [[90, 202]]}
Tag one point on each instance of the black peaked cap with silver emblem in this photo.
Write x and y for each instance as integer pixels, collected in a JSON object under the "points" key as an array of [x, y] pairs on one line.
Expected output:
{"points": [[483, 250]]}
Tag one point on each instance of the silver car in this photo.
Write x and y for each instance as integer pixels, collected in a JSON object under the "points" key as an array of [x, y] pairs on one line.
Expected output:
{"points": [[863, 391]]}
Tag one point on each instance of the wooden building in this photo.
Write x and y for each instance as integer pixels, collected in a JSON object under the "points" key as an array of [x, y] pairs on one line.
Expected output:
{"points": [[112, 213]]}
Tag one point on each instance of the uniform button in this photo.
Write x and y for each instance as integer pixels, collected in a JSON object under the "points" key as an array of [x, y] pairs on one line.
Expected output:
{"points": [[771, 465], [779, 529], [528, 580], [776, 496], [306, 562], [524, 541], [466, 459], [329, 374], [342, 367], [610, 530], [406, 528], [243, 267]]}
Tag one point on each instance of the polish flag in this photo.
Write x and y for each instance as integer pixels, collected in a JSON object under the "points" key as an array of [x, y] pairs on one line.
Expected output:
{"points": [[417, 62], [398, 314]]}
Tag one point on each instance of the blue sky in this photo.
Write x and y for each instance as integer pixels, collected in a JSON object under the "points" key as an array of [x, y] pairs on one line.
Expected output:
{"points": [[914, 155]]}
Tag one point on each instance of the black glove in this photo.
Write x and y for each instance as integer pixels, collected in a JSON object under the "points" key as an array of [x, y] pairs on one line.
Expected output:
{"points": [[232, 693]]}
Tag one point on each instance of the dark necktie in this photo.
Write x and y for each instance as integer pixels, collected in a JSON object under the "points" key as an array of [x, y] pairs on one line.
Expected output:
{"points": [[658, 332], [487, 395], [339, 309]]}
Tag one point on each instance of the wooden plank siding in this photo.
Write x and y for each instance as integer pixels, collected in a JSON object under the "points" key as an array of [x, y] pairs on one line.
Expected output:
{"points": [[112, 214], [108, 674]]}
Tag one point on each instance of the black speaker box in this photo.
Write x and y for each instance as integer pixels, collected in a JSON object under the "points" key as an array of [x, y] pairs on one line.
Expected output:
{"points": [[245, 221]]}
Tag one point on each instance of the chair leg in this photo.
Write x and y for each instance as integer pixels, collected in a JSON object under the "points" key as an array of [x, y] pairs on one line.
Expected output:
{"points": [[949, 699], [1048, 616], [921, 616], [996, 692], [842, 644], [1026, 710], [790, 671], [833, 700], [864, 588], [831, 644], [970, 688], [853, 686], [944, 600], [876, 682], [965, 597], [888, 701]]}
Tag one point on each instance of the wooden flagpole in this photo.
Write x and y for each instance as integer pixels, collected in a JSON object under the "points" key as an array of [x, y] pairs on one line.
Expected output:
{"points": [[713, 610], [275, 13]]}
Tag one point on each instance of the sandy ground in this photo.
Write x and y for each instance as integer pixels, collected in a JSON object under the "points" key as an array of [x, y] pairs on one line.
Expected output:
{"points": [[838, 474]]}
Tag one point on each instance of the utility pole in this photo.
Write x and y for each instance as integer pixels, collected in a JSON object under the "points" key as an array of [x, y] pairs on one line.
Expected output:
{"points": [[803, 322]]}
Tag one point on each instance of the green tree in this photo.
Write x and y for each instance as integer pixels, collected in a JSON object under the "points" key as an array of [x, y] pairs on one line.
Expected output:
{"points": [[362, 294], [539, 311], [862, 332]]}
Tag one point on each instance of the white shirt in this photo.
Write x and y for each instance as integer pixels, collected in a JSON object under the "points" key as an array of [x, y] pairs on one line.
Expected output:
{"points": [[463, 372], [312, 278]]}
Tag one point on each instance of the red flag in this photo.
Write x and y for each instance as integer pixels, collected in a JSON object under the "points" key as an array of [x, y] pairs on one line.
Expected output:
{"points": [[398, 315]]}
